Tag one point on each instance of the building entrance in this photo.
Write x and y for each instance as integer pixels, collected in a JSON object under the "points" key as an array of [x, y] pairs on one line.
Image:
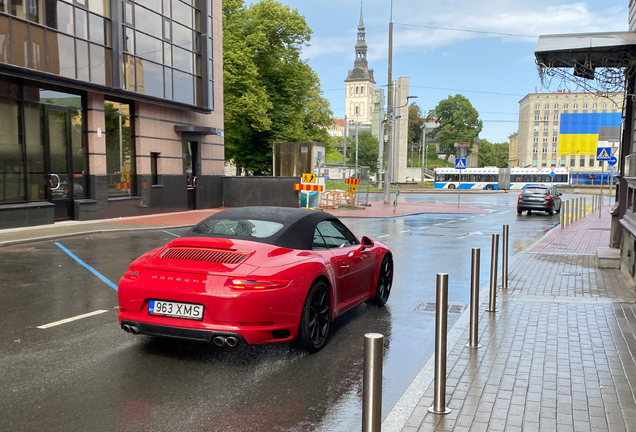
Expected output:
{"points": [[57, 160]]}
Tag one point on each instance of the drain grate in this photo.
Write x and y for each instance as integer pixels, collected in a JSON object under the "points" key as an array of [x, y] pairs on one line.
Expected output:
{"points": [[570, 274], [430, 307]]}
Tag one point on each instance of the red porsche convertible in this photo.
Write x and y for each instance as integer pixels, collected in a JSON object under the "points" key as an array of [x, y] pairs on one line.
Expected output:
{"points": [[254, 275]]}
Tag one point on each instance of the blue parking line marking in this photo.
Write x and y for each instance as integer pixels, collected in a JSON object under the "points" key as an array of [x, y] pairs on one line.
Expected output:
{"points": [[171, 233], [87, 267]]}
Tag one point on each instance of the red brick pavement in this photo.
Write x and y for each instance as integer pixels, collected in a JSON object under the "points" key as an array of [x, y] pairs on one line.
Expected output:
{"points": [[582, 236], [191, 217]]}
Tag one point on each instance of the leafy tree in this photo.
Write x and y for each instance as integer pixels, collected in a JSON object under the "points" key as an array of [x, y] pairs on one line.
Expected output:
{"points": [[368, 148], [270, 93], [415, 123], [492, 154], [458, 122]]}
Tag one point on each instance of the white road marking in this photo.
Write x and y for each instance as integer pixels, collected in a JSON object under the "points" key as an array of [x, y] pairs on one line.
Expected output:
{"points": [[382, 236], [471, 234], [404, 231], [68, 320]]}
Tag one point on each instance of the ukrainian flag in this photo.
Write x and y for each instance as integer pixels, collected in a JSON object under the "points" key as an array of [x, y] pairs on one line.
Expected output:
{"points": [[579, 131]]}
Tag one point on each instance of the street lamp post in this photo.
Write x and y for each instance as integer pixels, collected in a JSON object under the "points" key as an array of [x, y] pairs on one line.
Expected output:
{"points": [[424, 152], [389, 168]]}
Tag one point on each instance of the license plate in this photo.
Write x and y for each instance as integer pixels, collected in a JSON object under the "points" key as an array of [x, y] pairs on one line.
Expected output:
{"points": [[537, 199], [176, 310]]}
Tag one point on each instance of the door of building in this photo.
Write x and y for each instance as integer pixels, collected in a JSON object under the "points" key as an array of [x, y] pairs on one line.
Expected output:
{"points": [[57, 159], [191, 162]]}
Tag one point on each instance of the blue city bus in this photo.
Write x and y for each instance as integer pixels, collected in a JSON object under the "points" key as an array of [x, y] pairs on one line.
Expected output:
{"points": [[489, 178]]}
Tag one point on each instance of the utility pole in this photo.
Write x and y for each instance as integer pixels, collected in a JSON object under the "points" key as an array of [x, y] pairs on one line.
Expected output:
{"points": [[424, 152], [389, 171], [357, 133], [344, 147]]}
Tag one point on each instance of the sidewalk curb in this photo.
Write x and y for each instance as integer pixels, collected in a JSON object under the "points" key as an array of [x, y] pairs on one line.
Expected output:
{"points": [[88, 232], [399, 415]]}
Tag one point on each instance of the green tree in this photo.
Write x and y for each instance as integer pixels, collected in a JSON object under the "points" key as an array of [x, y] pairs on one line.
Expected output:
{"points": [[270, 93], [416, 121], [492, 154], [458, 122], [368, 147]]}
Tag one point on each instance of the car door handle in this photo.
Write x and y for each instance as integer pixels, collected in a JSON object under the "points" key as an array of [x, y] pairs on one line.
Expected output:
{"points": [[344, 267]]}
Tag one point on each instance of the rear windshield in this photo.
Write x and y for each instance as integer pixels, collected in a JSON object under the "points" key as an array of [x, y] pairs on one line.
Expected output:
{"points": [[239, 227], [536, 190]]}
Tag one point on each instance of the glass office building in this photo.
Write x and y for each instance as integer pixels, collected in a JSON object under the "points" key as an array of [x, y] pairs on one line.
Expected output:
{"points": [[109, 108]]}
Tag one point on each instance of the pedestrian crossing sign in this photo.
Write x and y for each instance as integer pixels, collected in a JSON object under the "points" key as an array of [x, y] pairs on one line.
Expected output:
{"points": [[460, 163], [603, 153]]}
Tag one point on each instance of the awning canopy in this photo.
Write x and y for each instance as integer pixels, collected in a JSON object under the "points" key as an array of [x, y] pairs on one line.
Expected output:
{"points": [[616, 49]]}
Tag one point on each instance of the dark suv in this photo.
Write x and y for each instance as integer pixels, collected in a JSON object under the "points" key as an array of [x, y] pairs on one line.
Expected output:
{"points": [[540, 198]]}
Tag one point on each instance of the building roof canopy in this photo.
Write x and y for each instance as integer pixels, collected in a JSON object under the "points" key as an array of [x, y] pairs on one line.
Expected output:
{"points": [[594, 49]]}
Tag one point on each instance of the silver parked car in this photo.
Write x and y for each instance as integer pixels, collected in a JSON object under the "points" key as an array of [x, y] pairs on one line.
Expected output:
{"points": [[540, 198]]}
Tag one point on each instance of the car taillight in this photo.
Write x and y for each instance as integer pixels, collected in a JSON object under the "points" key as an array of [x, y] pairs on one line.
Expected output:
{"points": [[256, 283], [548, 198], [520, 196], [133, 273]]}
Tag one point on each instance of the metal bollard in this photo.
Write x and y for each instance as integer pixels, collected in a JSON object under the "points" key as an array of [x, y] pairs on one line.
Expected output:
{"points": [[584, 206], [474, 299], [372, 383], [441, 311], [567, 213], [562, 214], [494, 257], [504, 257], [576, 209]]}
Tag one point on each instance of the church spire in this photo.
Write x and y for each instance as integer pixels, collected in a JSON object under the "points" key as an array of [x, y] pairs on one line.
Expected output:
{"points": [[361, 25], [361, 45]]}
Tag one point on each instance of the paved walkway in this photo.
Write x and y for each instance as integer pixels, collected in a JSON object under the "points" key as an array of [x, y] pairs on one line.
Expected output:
{"points": [[189, 218], [558, 355]]}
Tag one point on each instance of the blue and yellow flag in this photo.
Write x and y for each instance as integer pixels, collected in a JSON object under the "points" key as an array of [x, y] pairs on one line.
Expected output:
{"points": [[581, 132]]}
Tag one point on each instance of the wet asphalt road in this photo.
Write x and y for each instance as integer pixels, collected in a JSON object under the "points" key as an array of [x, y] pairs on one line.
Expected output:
{"points": [[90, 375]]}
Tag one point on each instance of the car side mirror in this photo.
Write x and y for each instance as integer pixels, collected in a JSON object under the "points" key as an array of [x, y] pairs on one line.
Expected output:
{"points": [[367, 243]]}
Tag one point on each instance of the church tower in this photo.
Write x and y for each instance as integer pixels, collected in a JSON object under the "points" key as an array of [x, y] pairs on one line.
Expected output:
{"points": [[359, 85]]}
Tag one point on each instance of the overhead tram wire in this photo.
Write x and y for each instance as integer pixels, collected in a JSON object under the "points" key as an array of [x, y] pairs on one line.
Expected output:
{"points": [[467, 30]]}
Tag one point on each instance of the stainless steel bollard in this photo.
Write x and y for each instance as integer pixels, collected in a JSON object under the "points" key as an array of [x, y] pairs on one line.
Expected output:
{"points": [[584, 206], [562, 214], [494, 257], [474, 299], [372, 383], [504, 257], [567, 213], [576, 209], [441, 311]]}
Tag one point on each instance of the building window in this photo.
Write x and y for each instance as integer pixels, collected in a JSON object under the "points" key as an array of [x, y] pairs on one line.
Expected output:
{"points": [[555, 128], [547, 107], [537, 107], [594, 106], [614, 106], [544, 150], [555, 139], [534, 162], [362, 90], [566, 107], [545, 139], [536, 128], [543, 163], [545, 128], [162, 51], [536, 139], [12, 161], [535, 150], [604, 106], [554, 149], [582, 161], [591, 161], [556, 117], [556, 106], [120, 149], [576, 106], [584, 106], [546, 117], [154, 169], [562, 161], [357, 110], [572, 161], [357, 90], [536, 118], [553, 162]]}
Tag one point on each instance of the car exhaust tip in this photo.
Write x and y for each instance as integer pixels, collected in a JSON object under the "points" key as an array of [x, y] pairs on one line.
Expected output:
{"points": [[134, 330], [126, 328], [231, 341], [219, 341]]}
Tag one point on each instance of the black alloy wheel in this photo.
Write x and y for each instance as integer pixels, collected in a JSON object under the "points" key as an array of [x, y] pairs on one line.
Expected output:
{"points": [[489, 187], [451, 186], [551, 211], [316, 319], [385, 281]]}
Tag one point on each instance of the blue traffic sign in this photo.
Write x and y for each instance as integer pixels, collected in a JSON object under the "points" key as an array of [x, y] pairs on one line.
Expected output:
{"points": [[552, 174], [612, 161], [460, 163], [603, 153]]}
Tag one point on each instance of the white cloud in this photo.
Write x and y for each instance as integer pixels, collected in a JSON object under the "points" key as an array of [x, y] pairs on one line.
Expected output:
{"points": [[500, 16]]}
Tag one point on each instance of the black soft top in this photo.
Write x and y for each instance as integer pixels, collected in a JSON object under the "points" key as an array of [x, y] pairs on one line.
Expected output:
{"points": [[297, 231]]}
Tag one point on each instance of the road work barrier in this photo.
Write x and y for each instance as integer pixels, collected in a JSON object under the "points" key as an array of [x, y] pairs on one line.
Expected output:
{"points": [[372, 383]]}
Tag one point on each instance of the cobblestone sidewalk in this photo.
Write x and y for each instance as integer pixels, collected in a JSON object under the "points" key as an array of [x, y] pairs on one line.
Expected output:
{"points": [[558, 355]]}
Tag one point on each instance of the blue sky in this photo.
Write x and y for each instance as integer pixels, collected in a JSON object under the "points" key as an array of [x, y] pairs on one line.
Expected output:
{"points": [[442, 59]]}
